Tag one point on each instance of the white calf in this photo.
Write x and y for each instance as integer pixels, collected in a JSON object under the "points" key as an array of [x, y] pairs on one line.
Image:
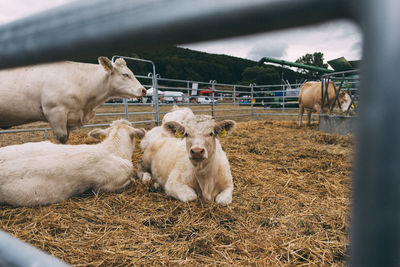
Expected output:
{"points": [[192, 161], [44, 173], [176, 114]]}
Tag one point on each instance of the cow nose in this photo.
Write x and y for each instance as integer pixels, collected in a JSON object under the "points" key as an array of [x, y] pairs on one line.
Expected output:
{"points": [[197, 152], [144, 92]]}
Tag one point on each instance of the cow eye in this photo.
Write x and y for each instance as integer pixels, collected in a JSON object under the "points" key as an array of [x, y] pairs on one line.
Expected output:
{"points": [[211, 134], [185, 135], [125, 75]]}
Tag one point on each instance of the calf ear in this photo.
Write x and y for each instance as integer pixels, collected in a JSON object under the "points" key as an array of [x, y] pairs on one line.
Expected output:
{"points": [[223, 128], [99, 134], [139, 133], [175, 128], [106, 63]]}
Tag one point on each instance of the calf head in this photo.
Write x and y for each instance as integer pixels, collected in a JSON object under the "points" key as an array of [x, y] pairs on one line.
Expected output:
{"points": [[200, 133], [120, 130], [121, 79], [345, 100]]}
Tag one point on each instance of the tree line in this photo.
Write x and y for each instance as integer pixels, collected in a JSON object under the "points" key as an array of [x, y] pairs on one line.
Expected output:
{"points": [[186, 64]]}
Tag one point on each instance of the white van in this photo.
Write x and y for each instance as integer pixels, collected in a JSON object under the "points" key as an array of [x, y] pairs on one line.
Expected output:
{"points": [[205, 100]]}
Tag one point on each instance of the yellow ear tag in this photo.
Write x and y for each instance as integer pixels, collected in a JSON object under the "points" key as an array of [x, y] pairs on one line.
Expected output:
{"points": [[179, 135], [102, 137], [223, 133], [107, 68]]}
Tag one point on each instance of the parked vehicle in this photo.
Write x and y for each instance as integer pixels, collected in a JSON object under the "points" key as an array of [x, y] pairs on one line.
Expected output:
{"points": [[173, 97], [205, 100], [245, 100]]}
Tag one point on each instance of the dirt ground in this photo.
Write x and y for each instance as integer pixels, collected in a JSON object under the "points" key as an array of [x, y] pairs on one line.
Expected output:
{"points": [[290, 207]]}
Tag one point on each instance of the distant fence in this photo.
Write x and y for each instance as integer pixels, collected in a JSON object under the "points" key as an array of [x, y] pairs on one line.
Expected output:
{"points": [[212, 98]]}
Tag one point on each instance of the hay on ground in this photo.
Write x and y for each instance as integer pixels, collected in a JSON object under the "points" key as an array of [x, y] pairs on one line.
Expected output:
{"points": [[290, 208]]}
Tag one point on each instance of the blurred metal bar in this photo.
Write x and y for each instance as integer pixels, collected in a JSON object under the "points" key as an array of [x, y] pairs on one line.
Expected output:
{"points": [[375, 237], [86, 29], [14, 252]]}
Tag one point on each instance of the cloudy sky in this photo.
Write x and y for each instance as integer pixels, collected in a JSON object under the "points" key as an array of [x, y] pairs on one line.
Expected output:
{"points": [[334, 39]]}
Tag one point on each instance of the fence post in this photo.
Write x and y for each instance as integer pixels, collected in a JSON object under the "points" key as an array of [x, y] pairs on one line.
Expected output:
{"points": [[212, 97], [188, 92], [234, 97], [154, 78], [126, 111], [46, 134], [252, 99]]}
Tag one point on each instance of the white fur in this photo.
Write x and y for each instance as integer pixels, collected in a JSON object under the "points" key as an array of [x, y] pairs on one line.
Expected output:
{"points": [[64, 94], [178, 114], [169, 161], [44, 173]]}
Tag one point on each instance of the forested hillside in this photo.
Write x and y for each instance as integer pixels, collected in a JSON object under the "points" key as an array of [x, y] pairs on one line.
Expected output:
{"points": [[186, 64]]}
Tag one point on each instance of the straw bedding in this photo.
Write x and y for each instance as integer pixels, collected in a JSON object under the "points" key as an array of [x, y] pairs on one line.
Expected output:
{"points": [[290, 208]]}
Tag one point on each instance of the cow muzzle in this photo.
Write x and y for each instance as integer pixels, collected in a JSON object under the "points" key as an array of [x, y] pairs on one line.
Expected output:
{"points": [[197, 154], [144, 92]]}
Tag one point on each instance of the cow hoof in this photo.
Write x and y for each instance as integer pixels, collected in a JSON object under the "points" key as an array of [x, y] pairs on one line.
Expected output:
{"points": [[146, 177], [187, 196], [224, 199]]}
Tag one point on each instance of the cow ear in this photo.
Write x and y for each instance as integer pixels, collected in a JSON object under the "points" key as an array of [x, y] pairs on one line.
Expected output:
{"points": [[139, 133], [175, 129], [106, 63], [120, 62], [223, 128], [98, 133]]}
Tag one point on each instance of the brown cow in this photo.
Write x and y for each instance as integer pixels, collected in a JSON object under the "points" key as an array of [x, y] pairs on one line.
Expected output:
{"points": [[310, 99]]}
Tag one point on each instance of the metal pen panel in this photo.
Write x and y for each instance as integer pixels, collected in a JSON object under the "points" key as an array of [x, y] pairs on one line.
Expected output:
{"points": [[375, 236], [85, 29], [14, 252]]}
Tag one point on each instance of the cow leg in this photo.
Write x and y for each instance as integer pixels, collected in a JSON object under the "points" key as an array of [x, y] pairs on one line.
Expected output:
{"points": [[300, 117], [225, 197], [143, 173], [178, 189], [58, 123], [144, 170], [309, 117], [114, 185]]}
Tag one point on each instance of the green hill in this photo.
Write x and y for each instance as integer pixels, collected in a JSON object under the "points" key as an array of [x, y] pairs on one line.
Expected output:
{"points": [[185, 64]]}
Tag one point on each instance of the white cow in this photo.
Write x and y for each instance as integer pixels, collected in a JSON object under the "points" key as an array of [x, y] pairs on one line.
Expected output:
{"points": [[44, 173], [192, 161], [178, 114], [64, 94]]}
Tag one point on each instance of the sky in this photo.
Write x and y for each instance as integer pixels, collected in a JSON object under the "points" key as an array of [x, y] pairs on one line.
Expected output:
{"points": [[333, 39]]}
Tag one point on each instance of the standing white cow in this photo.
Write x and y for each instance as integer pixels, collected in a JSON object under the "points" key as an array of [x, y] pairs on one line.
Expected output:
{"points": [[192, 161], [64, 94], [43, 173], [310, 99]]}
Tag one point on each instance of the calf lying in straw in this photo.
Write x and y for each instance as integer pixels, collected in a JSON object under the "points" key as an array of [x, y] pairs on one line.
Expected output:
{"points": [[190, 162], [176, 114], [44, 173]]}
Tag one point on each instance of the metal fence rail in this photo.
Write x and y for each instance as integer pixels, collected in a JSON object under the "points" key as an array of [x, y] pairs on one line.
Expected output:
{"points": [[224, 100], [108, 26], [220, 101], [346, 81]]}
